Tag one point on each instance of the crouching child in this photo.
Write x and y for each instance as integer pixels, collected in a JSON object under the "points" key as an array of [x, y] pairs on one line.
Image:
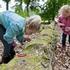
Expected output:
{"points": [[12, 25]]}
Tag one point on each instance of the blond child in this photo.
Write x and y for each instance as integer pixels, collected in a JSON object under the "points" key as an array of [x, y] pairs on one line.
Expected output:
{"points": [[63, 21], [12, 25]]}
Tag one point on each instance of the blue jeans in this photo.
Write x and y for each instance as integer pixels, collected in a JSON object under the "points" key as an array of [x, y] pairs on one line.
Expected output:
{"points": [[7, 47], [64, 36]]}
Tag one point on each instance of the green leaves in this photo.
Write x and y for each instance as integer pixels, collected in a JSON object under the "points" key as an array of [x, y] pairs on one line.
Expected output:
{"points": [[51, 7], [26, 1], [32, 7]]}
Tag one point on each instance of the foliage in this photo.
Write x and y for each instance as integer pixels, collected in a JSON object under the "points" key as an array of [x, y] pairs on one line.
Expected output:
{"points": [[20, 11], [50, 8], [48, 11], [32, 7]]}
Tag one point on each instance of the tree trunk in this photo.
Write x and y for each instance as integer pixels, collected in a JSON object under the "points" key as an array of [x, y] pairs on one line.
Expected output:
{"points": [[27, 7], [21, 4], [7, 5]]}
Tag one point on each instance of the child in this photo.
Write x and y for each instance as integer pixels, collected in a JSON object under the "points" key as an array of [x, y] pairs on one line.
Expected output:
{"points": [[12, 25], [64, 23]]}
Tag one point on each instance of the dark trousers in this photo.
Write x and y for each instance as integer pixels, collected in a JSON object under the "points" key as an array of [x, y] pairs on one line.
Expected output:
{"points": [[7, 47], [64, 36]]}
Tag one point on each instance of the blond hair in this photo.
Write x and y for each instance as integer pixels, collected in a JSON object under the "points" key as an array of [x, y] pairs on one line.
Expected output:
{"points": [[64, 8], [34, 22]]}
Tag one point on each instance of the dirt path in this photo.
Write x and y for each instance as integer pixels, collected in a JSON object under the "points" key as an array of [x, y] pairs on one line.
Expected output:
{"points": [[62, 58]]}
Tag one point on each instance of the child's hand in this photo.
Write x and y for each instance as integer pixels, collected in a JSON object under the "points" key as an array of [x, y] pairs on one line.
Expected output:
{"points": [[14, 44], [17, 44], [27, 38], [67, 29], [61, 25]]}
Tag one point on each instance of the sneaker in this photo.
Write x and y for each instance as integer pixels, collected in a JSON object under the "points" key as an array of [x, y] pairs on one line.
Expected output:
{"points": [[63, 48], [6, 59]]}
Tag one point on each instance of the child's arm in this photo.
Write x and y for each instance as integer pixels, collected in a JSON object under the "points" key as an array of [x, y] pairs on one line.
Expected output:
{"points": [[10, 34], [61, 24], [20, 37], [58, 20]]}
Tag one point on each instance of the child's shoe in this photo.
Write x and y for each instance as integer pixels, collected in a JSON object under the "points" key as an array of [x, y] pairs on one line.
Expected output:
{"points": [[6, 59], [69, 45], [63, 48]]}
